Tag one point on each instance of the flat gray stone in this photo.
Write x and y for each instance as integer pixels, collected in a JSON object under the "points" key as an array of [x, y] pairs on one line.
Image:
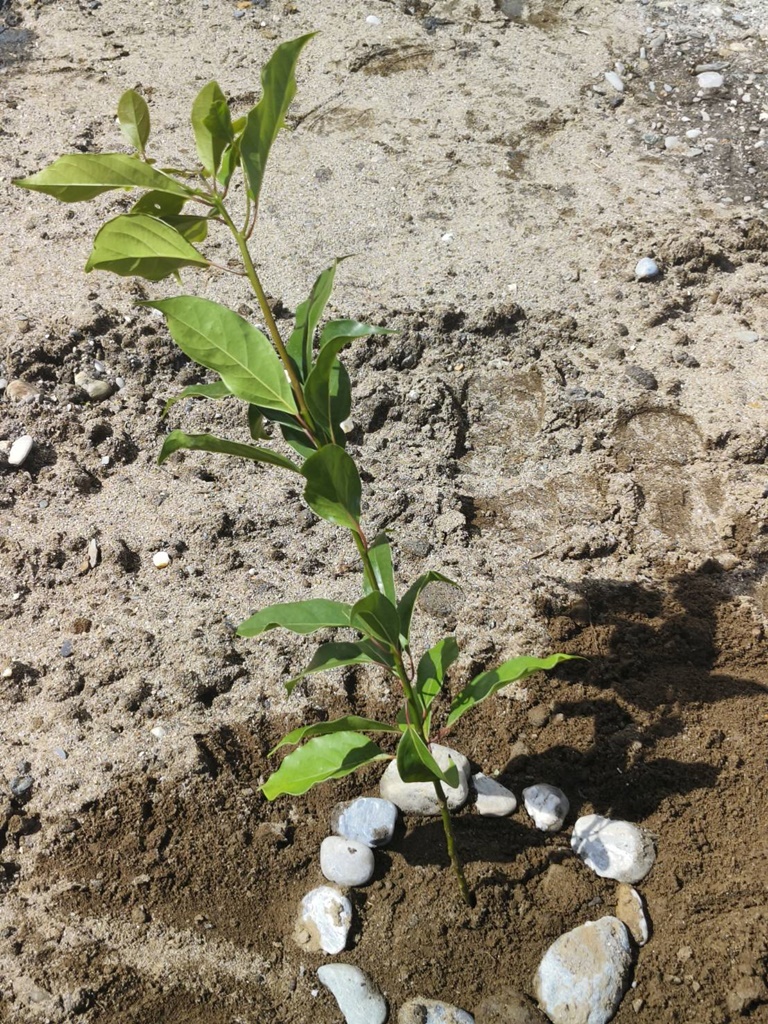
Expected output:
{"points": [[584, 974], [613, 849], [345, 861], [369, 820], [359, 999], [419, 797], [324, 921], [493, 799], [432, 1011]]}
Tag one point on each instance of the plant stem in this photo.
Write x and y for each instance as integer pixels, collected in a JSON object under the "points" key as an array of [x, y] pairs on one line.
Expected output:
{"points": [[269, 319], [362, 549], [445, 814]]}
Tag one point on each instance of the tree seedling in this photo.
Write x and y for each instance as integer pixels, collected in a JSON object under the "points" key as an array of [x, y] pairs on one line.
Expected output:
{"points": [[296, 385]]}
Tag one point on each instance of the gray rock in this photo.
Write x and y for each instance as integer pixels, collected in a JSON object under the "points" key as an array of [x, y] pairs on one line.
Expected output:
{"points": [[20, 391], [345, 861], [369, 820], [547, 805], [746, 337], [358, 997], [642, 377], [21, 787], [584, 974], [493, 799], [646, 269], [630, 910], [613, 849], [419, 797], [710, 80], [432, 1011], [95, 389], [324, 921], [20, 449], [508, 1006], [614, 80]]}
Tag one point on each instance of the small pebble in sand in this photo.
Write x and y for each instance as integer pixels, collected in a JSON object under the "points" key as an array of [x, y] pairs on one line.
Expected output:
{"points": [[20, 449], [646, 269], [161, 559]]}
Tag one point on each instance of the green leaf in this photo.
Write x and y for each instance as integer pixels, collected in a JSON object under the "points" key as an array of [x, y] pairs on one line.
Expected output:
{"points": [[415, 763], [333, 488], [79, 176], [264, 121], [337, 655], [407, 602], [133, 116], [299, 617], [212, 126], [214, 391], [349, 329], [216, 337], [159, 204], [322, 758], [230, 161], [375, 616], [138, 245], [432, 669], [194, 229], [324, 385], [256, 424], [350, 723], [488, 683], [308, 316], [380, 554], [177, 440]]}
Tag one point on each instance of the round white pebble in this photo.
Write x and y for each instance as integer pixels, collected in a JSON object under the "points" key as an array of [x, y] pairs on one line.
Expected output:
{"points": [[346, 862], [372, 20], [20, 449], [547, 805], [646, 269], [161, 559], [613, 849]]}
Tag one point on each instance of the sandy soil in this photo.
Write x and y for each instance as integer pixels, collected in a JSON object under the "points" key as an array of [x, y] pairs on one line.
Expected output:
{"points": [[585, 452]]}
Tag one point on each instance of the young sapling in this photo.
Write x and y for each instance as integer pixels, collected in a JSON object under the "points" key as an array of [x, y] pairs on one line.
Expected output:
{"points": [[297, 385]]}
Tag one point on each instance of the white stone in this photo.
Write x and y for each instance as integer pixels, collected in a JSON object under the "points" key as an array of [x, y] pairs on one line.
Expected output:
{"points": [[372, 20], [584, 974], [324, 920], [419, 797], [614, 81], [613, 849], [630, 910], [708, 80], [432, 1011], [161, 559], [20, 449], [346, 862], [547, 805], [359, 999], [369, 820], [646, 269], [347, 425], [493, 799]]}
